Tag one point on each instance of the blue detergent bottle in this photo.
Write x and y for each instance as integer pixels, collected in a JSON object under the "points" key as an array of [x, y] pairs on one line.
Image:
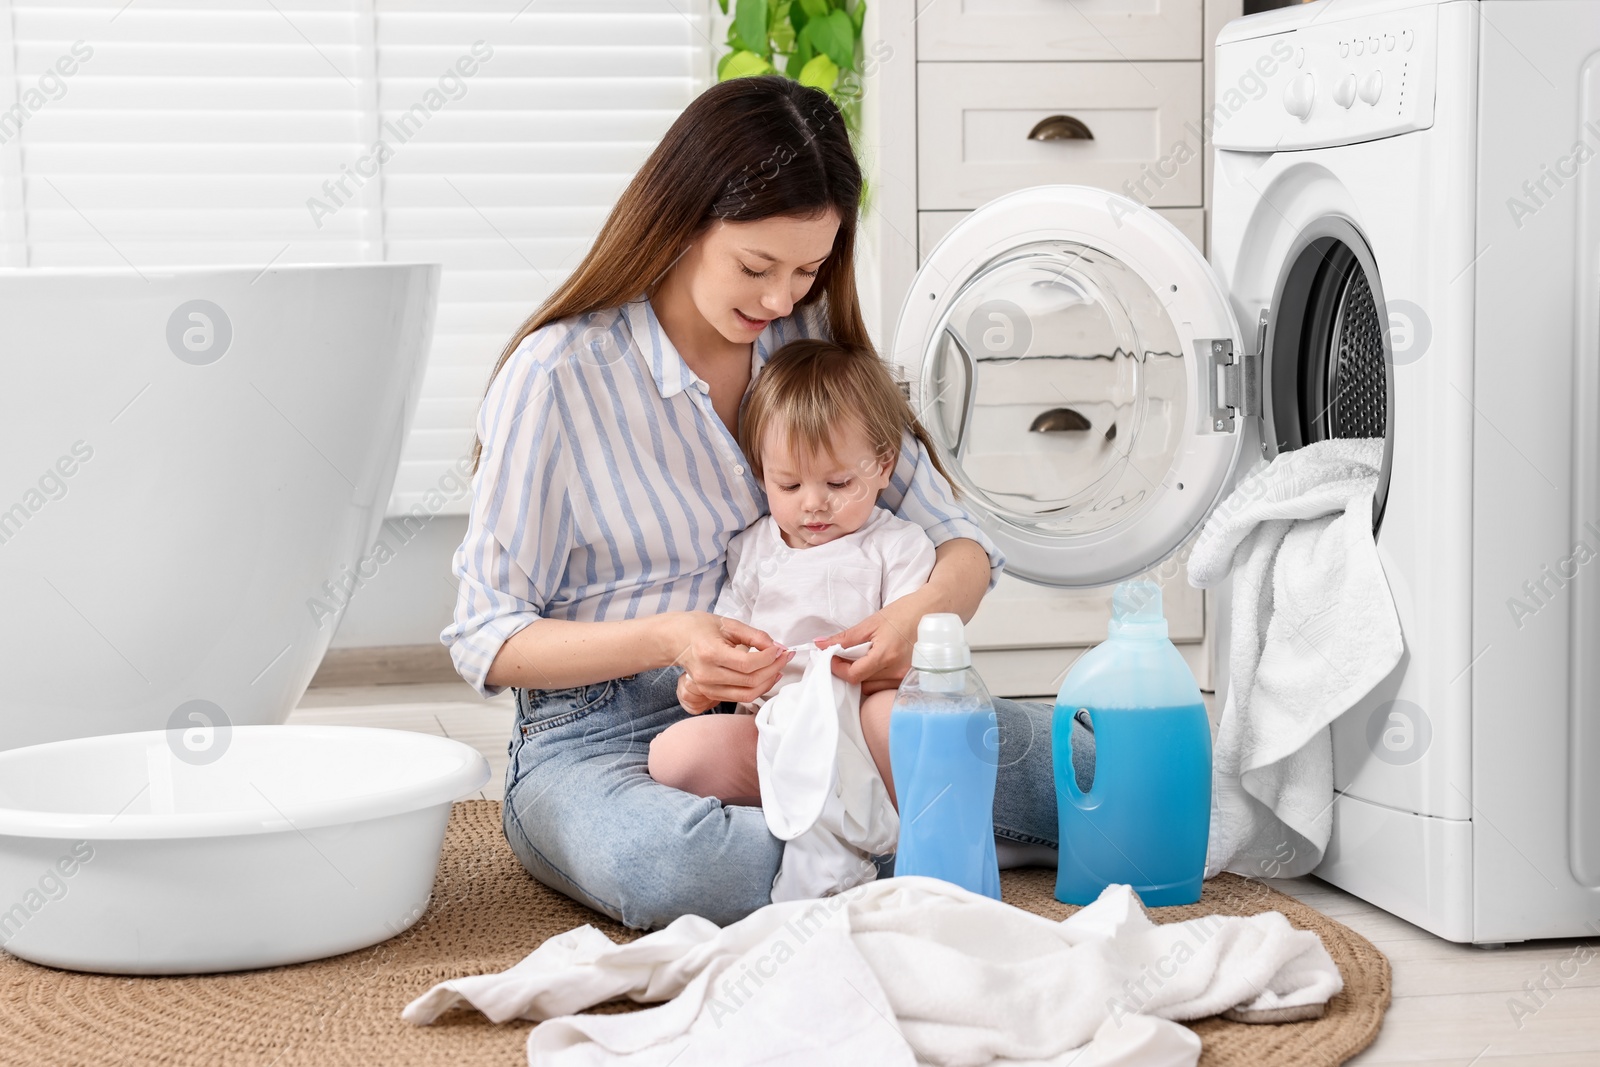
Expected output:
{"points": [[944, 752], [1147, 815]]}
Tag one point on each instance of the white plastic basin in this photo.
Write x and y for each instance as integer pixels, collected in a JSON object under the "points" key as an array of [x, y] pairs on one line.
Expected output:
{"points": [[148, 853]]}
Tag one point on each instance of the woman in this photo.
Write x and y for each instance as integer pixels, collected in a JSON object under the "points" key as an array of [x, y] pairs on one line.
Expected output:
{"points": [[608, 484]]}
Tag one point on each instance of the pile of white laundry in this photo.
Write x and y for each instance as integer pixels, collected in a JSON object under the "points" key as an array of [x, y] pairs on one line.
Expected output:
{"points": [[903, 971]]}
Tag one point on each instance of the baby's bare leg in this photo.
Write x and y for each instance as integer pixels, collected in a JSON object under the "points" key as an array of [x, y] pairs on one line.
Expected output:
{"points": [[711, 755], [875, 725]]}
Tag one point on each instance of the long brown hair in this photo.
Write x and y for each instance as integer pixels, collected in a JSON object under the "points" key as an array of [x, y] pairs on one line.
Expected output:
{"points": [[746, 149], [811, 387]]}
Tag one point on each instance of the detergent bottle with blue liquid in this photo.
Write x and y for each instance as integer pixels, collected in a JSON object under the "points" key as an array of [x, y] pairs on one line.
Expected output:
{"points": [[944, 752], [1147, 815]]}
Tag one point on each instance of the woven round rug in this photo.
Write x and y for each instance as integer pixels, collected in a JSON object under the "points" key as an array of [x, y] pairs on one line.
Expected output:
{"points": [[487, 914]]}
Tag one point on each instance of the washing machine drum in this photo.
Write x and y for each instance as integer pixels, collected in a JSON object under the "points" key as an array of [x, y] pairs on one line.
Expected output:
{"points": [[1328, 365]]}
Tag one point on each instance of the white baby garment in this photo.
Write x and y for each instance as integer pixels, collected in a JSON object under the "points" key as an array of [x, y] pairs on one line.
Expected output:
{"points": [[820, 788]]}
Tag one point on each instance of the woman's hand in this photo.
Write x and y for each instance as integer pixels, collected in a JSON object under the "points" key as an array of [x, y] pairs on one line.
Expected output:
{"points": [[892, 632], [723, 659]]}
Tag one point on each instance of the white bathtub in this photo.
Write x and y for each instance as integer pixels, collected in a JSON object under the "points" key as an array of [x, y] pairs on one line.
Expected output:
{"points": [[186, 457], [124, 854]]}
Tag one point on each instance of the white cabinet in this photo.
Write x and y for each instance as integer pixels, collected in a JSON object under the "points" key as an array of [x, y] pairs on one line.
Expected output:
{"points": [[1015, 615], [1058, 29], [970, 99], [932, 225], [974, 122]]}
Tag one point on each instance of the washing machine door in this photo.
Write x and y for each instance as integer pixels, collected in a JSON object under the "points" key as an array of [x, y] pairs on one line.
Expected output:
{"points": [[1071, 354]]}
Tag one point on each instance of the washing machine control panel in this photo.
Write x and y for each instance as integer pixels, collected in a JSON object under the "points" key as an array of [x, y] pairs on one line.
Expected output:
{"points": [[1327, 82]]}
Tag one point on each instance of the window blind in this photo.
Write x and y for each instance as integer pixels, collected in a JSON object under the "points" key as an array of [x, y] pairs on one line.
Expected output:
{"points": [[491, 136]]}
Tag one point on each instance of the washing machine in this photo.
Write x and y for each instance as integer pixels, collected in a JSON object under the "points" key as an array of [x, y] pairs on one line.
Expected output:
{"points": [[1404, 246]]}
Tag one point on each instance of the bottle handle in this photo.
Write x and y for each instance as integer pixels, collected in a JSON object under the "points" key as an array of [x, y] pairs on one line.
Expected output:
{"points": [[1078, 797]]}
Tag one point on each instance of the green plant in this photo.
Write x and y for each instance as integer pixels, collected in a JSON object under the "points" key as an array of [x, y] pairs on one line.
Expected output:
{"points": [[818, 43]]}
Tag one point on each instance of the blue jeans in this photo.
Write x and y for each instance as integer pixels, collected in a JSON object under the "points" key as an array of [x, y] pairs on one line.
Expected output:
{"points": [[585, 818]]}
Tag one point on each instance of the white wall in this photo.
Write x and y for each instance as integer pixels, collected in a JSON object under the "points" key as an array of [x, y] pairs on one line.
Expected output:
{"points": [[412, 596]]}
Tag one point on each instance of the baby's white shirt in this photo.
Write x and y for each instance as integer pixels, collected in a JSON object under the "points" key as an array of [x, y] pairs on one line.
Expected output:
{"points": [[797, 595]]}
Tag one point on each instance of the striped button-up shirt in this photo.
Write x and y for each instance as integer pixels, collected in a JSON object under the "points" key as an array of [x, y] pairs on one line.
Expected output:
{"points": [[609, 487]]}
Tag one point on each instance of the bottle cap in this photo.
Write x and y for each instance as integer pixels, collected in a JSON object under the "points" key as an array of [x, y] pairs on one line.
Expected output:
{"points": [[1136, 610], [941, 644]]}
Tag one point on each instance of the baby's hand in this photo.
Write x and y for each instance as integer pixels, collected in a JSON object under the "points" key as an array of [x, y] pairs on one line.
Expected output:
{"points": [[891, 633], [692, 697]]}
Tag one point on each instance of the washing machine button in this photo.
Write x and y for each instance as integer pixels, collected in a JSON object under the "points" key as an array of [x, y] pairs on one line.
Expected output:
{"points": [[1361, 45], [1388, 42], [1299, 57], [1298, 94], [1406, 39], [1344, 91], [1344, 49], [1372, 44], [1372, 87]]}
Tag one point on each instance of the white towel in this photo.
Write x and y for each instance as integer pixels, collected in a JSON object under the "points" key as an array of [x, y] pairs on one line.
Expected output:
{"points": [[820, 788], [1314, 630], [900, 971]]}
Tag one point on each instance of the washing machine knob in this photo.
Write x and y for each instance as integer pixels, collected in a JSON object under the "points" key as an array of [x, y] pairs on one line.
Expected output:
{"points": [[1344, 91], [1372, 87], [1298, 94]]}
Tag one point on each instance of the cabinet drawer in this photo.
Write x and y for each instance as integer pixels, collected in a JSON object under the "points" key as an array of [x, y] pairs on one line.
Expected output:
{"points": [[973, 121], [1059, 29], [1019, 614], [933, 225], [1037, 673]]}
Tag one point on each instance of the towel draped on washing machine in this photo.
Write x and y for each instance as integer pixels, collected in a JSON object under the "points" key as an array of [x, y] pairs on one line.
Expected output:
{"points": [[1314, 629]]}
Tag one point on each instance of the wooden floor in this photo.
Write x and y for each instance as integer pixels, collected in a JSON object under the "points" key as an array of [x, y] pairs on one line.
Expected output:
{"points": [[1453, 1004]]}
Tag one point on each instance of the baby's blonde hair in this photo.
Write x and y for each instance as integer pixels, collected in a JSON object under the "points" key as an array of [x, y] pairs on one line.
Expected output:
{"points": [[811, 387]]}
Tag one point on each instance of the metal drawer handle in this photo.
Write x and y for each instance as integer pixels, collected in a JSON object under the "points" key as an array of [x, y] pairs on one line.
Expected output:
{"points": [[1060, 128]]}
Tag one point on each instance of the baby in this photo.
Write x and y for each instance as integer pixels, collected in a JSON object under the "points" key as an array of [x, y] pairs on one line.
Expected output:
{"points": [[822, 430]]}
